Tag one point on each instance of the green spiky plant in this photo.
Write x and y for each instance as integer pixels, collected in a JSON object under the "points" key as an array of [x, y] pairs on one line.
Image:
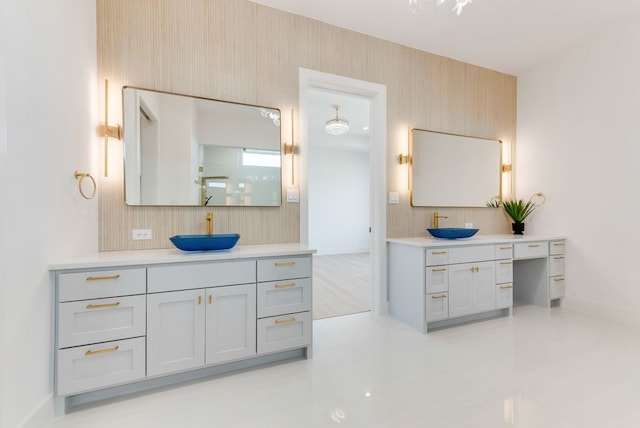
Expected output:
{"points": [[518, 209]]}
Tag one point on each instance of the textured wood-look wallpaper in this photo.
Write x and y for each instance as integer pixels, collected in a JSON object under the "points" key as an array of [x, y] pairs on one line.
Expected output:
{"points": [[240, 51]]}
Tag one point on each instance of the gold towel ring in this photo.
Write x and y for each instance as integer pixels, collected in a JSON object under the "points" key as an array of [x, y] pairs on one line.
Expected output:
{"points": [[537, 199], [81, 176]]}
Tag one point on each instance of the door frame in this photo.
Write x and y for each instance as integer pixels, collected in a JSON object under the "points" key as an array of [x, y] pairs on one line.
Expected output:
{"points": [[377, 95]]}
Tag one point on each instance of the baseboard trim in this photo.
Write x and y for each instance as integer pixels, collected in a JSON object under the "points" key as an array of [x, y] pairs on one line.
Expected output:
{"points": [[42, 415], [602, 310]]}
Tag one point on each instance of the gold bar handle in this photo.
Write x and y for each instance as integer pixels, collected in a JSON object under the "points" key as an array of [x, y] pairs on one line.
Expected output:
{"points": [[440, 296], [288, 285], [558, 279], [439, 270], [210, 298], [287, 321], [558, 244], [558, 258], [506, 287], [199, 300], [102, 278], [101, 351], [506, 248], [506, 263], [439, 252], [278, 264], [103, 305], [534, 245]]}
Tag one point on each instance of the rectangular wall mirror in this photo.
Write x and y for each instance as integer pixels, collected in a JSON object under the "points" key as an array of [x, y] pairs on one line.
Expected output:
{"points": [[452, 170], [190, 151]]}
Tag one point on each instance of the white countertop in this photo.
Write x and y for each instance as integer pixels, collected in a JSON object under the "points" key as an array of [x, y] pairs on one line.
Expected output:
{"points": [[422, 241], [173, 255]]}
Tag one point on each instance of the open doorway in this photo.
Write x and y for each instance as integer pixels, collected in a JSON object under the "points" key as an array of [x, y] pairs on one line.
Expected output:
{"points": [[339, 203], [376, 95]]}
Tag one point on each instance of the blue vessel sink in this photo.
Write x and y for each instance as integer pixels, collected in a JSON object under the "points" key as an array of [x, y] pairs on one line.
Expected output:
{"points": [[217, 241], [452, 232]]}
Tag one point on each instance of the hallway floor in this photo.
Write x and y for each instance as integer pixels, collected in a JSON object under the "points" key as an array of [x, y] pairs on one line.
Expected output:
{"points": [[539, 369]]}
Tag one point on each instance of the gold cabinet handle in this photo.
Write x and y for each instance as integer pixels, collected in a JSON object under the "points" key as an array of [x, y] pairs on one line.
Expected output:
{"points": [[506, 287], [103, 305], [475, 269], [437, 253], [558, 244], [101, 351], [287, 321], [558, 279], [506, 248], [439, 270], [506, 263], [285, 263], [558, 258], [440, 296], [102, 278], [288, 285], [210, 298], [199, 300], [534, 245]]}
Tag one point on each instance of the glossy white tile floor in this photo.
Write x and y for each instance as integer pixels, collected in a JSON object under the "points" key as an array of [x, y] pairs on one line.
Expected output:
{"points": [[540, 368]]}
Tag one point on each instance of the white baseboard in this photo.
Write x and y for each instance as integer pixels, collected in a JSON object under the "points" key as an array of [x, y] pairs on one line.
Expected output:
{"points": [[42, 416], [602, 310], [336, 251]]}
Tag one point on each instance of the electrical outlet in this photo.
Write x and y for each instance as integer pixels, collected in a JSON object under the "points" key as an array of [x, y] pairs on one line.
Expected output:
{"points": [[394, 197], [141, 234], [293, 195]]}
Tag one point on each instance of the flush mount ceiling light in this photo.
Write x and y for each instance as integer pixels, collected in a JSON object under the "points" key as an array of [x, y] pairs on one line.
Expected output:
{"points": [[336, 126], [417, 5]]}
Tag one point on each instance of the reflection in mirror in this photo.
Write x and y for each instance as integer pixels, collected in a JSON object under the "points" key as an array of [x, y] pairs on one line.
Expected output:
{"points": [[182, 150], [453, 170]]}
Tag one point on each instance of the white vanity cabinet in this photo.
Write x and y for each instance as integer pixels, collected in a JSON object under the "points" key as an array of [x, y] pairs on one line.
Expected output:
{"points": [[435, 283], [131, 321]]}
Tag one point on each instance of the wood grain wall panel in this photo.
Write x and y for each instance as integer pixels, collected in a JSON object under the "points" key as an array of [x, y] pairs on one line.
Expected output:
{"points": [[240, 51]]}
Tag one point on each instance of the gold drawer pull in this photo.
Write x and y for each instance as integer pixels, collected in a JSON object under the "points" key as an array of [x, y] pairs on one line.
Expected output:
{"points": [[439, 270], [287, 321], [558, 279], [102, 278], [440, 296], [289, 285], [101, 351], [506, 287], [285, 263], [103, 305], [210, 298], [199, 300], [506, 263], [558, 244], [534, 245], [505, 248], [437, 253], [558, 258]]}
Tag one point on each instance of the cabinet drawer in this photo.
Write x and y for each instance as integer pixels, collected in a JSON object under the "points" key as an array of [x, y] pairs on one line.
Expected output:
{"points": [[437, 306], [504, 271], [284, 297], [97, 366], [472, 254], [530, 250], [200, 275], [437, 256], [284, 268], [504, 251], [93, 321], [436, 279], [556, 265], [556, 287], [105, 283], [504, 296], [284, 332], [556, 247]]}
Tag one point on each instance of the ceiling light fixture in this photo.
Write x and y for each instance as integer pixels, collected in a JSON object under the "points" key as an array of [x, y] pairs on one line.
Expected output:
{"points": [[336, 126], [416, 6]]}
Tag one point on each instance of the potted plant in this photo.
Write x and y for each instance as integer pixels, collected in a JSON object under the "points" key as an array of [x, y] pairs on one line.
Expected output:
{"points": [[518, 210]]}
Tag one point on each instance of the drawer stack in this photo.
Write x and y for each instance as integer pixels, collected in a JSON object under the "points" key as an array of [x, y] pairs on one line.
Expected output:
{"points": [[504, 276], [283, 304], [556, 270], [101, 329]]}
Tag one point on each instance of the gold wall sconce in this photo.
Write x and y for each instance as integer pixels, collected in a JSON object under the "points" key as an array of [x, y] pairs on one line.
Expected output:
{"points": [[108, 131], [291, 149], [506, 183]]}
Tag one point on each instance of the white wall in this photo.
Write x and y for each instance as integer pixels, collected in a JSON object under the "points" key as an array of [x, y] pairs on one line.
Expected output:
{"points": [[48, 118], [339, 197], [579, 142]]}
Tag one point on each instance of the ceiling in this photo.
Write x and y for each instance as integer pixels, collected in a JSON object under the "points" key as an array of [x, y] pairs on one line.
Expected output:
{"points": [[510, 36]]}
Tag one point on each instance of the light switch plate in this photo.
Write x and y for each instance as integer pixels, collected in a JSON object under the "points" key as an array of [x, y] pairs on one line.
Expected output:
{"points": [[293, 195], [141, 234], [394, 197]]}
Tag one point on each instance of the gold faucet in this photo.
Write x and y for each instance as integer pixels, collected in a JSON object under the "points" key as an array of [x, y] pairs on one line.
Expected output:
{"points": [[436, 217], [209, 223]]}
